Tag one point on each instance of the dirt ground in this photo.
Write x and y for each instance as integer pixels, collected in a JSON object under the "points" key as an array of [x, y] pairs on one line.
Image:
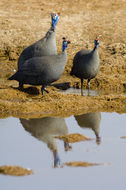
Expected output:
{"points": [[23, 22]]}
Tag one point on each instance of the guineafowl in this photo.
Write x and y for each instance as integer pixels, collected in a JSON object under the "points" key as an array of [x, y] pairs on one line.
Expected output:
{"points": [[45, 129], [91, 121], [42, 70], [45, 46], [86, 64]]}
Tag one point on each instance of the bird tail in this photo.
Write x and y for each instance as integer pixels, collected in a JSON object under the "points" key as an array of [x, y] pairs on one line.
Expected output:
{"points": [[13, 77]]}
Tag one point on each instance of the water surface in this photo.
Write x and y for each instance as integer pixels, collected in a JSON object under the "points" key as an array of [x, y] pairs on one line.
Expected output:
{"points": [[31, 144]]}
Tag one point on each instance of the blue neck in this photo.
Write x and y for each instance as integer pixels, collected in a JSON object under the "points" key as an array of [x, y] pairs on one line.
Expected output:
{"points": [[63, 47], [96, 46]]}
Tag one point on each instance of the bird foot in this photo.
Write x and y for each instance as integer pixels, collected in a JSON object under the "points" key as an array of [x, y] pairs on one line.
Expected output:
{"points": [[67, 146], [44, 89], [20, 88]]}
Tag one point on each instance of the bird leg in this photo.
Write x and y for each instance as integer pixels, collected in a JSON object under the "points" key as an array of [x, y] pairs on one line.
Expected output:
{"points": [[56, 159], [20, 85], [81, 87], [98, 139], [44, 89], [88, 84]]}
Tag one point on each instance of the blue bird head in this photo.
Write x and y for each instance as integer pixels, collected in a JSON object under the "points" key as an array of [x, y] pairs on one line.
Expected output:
{"points": [[65, 43], [55, 18], [96, 42]]}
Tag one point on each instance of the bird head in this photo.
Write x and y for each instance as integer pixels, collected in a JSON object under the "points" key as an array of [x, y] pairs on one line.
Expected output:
{"points": [[65, 43], [54, 18]]}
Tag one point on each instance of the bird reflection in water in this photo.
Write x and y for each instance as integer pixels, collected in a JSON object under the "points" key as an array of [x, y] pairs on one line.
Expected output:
{"points": [[92, 121], [45, 129]]}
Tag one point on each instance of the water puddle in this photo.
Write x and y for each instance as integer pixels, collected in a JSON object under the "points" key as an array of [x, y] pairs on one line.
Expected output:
{"points": [[78, 91], [37, 144], [67, 89], [90, 92]]}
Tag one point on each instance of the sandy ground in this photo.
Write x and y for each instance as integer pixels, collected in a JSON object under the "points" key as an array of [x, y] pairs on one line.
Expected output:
{"points": [[23, 22]]}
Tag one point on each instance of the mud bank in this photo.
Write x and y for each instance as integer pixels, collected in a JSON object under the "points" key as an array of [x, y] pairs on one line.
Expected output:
{"points": [[18, 104]]}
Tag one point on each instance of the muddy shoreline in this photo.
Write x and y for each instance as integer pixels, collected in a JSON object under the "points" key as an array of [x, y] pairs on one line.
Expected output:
{"points": [[58, 104]]}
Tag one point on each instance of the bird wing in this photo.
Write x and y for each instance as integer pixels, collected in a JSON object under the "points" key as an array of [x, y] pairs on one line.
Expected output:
{"points": [[79, 54], [38, 65]]}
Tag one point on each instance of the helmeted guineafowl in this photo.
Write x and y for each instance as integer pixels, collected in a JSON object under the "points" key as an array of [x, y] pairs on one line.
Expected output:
{"points": [[42, 70], [86, 64], [91, 121], [45, 46], [46, 129]]}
